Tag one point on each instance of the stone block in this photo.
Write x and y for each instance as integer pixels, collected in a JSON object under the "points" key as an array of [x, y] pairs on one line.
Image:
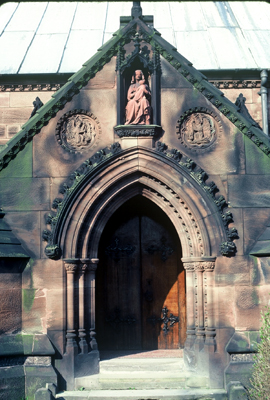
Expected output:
{"points": [[47, 274], [256, 221], [13, 130], [249, 191], [239, 343], [43, 394], [20, 344], [26, 227], [4, 99], [239, 371], [10, 281], [21, 165], [234, 270], [58, 338], [55, 307], [256, 98], [30, 194], [36, 376], [3, 131], [255, 110], [12, 383], [223, 336], [233, 94], [247, 310], [261, 270], [256, 161], [10, 310], [26, 99], [15, 115], [104, 79], [42, 345], [225, 306], [34, 312], [171, 79], [236, 391]]}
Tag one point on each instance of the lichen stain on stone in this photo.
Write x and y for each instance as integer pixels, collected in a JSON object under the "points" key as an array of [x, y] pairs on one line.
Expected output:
{"points": [[28, 274], [255, 272], [28, 296]]}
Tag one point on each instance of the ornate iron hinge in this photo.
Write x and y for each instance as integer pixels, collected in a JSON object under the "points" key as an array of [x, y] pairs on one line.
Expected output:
{"points": [[171, 320]]}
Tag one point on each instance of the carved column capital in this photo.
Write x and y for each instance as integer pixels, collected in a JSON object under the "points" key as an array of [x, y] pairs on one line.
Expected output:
{"points": [[199, 266], [189, 266], [93, 264], [84, 265], [71, 265], [209, 266]]}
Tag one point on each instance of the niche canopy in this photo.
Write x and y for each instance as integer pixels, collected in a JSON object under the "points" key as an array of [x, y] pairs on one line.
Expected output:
{"points": [[138, 82]]}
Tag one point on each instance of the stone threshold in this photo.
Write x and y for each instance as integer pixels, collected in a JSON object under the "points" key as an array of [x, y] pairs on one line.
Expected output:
{"points": [[153, 394]]}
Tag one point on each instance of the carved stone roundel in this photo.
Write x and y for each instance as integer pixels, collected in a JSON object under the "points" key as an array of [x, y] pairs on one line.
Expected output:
{"points": [[77, 131], [198, 130]]}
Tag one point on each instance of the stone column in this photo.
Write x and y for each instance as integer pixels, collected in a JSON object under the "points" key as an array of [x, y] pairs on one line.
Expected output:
{"points": [[189, 267], [71, 266], [200, 332], [209, 301], [82, 334], [92, 272]]}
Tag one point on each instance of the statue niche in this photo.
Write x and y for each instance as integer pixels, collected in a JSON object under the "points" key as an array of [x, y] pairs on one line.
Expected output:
{"points": [[138, 108], [138, 84]]}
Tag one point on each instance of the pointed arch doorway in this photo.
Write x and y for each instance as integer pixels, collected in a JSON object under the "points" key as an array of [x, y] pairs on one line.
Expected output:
{"points": [[140, 281]]}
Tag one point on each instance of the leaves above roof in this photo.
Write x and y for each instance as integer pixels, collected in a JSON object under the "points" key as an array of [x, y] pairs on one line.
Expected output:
{"points": [[104, 54]]}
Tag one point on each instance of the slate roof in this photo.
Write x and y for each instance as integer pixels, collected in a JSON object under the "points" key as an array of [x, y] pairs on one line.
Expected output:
{"points": [[104, 55], [57, 37]]}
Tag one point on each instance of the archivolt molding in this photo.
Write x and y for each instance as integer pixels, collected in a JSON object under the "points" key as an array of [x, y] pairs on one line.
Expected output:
{"points": [[119, 175]]}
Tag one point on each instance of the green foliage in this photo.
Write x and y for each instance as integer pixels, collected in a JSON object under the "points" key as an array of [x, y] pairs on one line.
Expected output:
{"points": [[261, 371]]}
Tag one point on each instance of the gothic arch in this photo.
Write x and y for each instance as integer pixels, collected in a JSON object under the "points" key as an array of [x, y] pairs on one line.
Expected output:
{"points": [[82, 215]]}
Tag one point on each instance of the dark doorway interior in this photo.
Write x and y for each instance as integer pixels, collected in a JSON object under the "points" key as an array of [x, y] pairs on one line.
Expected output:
{"points": [[139, 274]]}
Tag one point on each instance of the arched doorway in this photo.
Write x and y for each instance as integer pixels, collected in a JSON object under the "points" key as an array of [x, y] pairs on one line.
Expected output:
{"points": [[140, 281]]}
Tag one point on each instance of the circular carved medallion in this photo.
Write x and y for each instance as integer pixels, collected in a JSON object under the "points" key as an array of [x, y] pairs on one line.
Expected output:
{"points": [[77, 131], [198, 128]]}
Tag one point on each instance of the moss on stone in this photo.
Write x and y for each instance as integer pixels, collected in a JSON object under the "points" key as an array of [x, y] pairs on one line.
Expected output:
{"points": [[256, 161], [21, 166], [28, 296]]}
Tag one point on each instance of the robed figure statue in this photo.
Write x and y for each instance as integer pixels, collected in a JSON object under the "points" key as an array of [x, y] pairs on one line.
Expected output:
{"points": [[138, 109]]}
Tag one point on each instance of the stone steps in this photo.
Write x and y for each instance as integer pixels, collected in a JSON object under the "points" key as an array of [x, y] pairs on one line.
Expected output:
{"points": [[150, 394], [143, 379], [128, 374]]}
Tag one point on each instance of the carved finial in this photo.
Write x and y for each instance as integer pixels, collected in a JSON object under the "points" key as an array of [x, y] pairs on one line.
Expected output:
{"points": [[136, 10]]}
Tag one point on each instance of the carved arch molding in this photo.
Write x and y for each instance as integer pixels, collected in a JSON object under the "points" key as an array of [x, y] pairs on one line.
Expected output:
{"points": [[165, 176], [174, 183]]}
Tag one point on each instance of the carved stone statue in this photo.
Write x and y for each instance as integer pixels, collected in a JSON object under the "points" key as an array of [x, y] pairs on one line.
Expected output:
{"points": [[138, 109]]}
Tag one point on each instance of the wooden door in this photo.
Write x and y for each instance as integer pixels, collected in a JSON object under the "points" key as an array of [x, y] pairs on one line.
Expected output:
{"points": [[140, 281]]}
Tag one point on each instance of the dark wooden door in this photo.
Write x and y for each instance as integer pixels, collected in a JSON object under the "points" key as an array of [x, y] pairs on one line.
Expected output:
{"points": [[140, 281]]}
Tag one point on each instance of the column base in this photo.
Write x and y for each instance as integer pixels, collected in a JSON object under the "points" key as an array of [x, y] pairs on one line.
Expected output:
{"points": [[78, 365], [200, 339]]}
